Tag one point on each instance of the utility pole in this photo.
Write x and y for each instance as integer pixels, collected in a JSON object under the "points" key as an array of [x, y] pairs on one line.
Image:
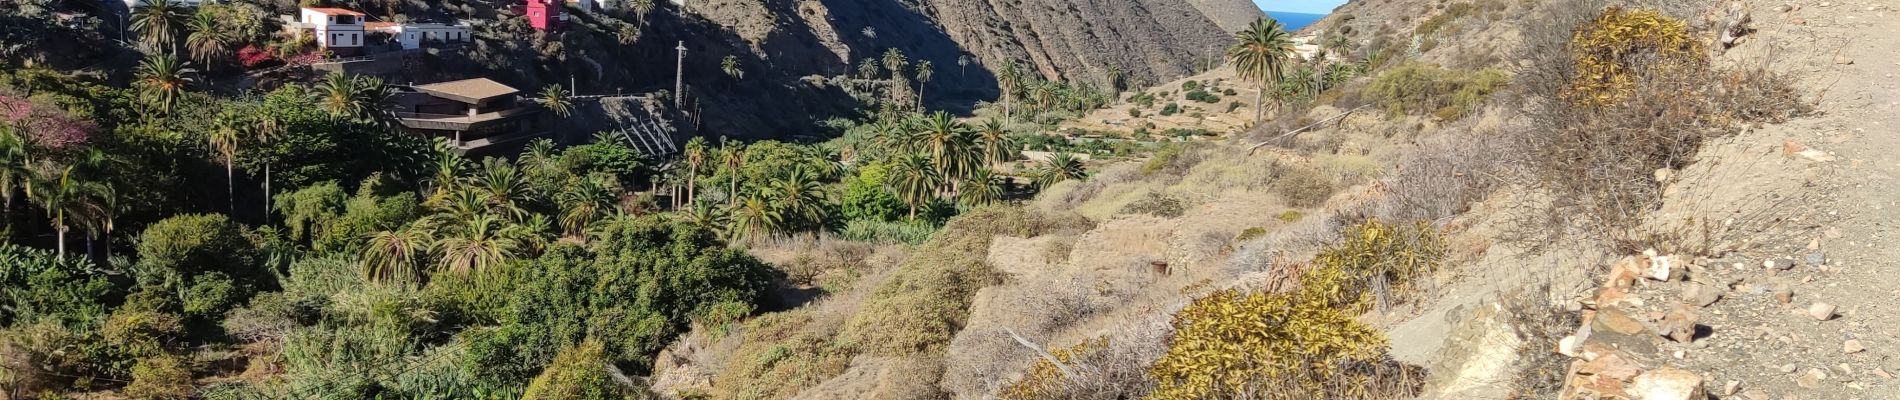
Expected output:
{"points": [[679, 75]]}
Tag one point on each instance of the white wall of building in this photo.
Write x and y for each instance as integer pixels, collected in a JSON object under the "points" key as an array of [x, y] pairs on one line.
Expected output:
{"points": [[334, 30], [413, 36]]}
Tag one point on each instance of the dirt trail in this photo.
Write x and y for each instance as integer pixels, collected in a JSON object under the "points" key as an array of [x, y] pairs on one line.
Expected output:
{"points": [[1831, 213]]}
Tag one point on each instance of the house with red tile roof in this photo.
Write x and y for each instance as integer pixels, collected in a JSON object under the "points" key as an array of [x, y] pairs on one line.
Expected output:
{"points": [[338, 30]]}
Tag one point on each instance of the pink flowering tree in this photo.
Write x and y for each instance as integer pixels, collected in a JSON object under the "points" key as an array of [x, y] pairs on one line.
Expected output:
{"points": [[45, 125]]}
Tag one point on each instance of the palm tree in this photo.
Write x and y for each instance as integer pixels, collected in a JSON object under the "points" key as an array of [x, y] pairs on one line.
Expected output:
{"points": [[392, 255], [266, 128], [352, 96], [754, 218], [223, 140], [162, 78], [1059, 167], [894, 61], [798, 197], [501, 187], [695, 159], [15, 168], [69, 201], [448, 169], [1337, 74], [207, 41], [982, 187], [555, 98], [898, 136], [951, 146], [480, 243], [1044, 92], [706, 215], [641, 8], [587, 200], [1011, 77], [733, 157], [1261, 56], [997, 146], [541, 165], [914, 180], [731, 66], [157, 23], [924, 73]]}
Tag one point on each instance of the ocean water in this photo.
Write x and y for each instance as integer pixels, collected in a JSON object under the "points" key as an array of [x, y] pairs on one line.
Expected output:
{"points": [[1295, 21]]}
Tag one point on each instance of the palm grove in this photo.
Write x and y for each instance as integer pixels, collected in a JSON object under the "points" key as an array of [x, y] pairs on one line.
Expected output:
{"points": [[294, 243]]}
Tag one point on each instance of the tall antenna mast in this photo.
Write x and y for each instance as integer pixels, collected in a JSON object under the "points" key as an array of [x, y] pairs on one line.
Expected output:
{"points": [[679, 75]]}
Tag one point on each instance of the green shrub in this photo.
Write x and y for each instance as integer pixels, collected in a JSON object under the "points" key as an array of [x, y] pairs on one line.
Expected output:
{"points": [[1290, 216], [577, 373], [42, 285], [1190, 85], [1134, 112], [1170, 109], [206, 260], [1203, 96], [1229, 92], [866, 198], [1377, 260], [1272, 345], [1251, 234], [1234, 106], [1419, 88], [160, 377], [1144, 99]]}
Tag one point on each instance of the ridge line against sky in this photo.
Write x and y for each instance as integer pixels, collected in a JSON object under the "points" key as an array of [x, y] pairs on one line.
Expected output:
{"points": [[1299, 6]]}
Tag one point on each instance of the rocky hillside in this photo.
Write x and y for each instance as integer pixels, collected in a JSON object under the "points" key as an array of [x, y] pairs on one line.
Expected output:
{"points": [[785, 42]]}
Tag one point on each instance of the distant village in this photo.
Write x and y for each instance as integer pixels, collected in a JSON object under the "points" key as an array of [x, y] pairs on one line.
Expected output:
{"points": [[476, 116]]}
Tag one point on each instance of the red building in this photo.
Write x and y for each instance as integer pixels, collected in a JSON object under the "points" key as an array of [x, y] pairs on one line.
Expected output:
{"points": [[546, 14]]}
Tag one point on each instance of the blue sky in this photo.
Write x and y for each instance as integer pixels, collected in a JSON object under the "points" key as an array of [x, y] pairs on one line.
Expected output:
{"points": [[1300, 6]]}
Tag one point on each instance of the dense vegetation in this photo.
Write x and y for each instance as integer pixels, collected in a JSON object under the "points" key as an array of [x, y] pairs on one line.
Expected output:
{"points": [[165, 237]]}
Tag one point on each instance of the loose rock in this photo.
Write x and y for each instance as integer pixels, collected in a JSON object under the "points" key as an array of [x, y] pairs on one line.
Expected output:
{"points": [[1668, 384], [1852, 346], [1812, 379], [1731, 388], [1614, 319], [1679, 324], [1701, 295], [1661, 268], [1821, 311], [1570, 346]]}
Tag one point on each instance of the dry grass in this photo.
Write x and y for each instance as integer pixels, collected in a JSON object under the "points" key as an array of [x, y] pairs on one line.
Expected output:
{"points": [[1601, 157], [1443, 176], [1304, 187]]}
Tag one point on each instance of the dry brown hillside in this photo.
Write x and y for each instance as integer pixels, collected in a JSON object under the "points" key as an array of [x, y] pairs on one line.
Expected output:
{"points": [[1752, 171]]}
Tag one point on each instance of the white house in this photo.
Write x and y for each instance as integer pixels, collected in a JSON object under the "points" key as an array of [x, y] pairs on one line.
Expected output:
{"points": [[1306, 46], [416, 34], [337, 29]]}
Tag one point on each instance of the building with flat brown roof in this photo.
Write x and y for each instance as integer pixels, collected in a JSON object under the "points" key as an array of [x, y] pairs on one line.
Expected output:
{"points": [[475, 115]]}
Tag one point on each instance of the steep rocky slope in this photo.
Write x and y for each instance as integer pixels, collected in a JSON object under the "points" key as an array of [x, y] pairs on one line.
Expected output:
{"points": [[782, 42], [1232, 15]]}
